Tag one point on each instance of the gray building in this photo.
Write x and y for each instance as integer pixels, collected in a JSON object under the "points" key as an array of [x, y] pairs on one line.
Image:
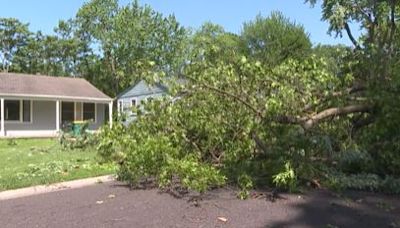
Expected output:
{"points": [[137, 94]]}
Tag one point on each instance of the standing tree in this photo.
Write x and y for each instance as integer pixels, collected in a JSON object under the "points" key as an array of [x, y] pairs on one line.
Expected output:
{"points": [[211, 42], [132, 40], [13, 35], [274, 39], [57, 55], [375, 71]]}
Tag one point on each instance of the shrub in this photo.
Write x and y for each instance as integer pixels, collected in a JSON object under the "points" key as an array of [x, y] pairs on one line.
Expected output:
{"points": [[354, 161], [366, 181]]}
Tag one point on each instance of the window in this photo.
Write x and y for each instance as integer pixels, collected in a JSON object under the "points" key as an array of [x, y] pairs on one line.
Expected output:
{"points": [[12, 110], [18, 110], [126, 106], [89, 111], [67, 112], [26, 113], [120, 107], [133, 102]]}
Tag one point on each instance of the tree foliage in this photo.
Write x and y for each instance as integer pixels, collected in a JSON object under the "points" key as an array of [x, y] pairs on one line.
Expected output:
{"points": [[274, 39], [256, 113], [13, 35], [128, 38], [375, 71], [242, 117], [211, 42]]}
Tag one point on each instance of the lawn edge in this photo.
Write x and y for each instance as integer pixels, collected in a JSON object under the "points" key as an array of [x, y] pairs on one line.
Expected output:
{"points": [[42, 189]]}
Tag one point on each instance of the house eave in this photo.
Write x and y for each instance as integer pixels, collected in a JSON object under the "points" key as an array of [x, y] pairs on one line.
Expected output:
{"points": [[55, 97]]}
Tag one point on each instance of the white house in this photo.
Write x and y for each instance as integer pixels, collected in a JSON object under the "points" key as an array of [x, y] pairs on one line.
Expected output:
{"points": [[37, 106]]}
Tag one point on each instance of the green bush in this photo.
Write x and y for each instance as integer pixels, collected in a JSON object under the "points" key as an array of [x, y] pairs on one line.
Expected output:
{"points": [[245, 183], [286, 179], [144, 155], [353, 161]]}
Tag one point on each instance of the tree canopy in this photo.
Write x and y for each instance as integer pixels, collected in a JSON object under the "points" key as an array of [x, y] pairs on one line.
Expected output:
{"points": [[13, 35], [274, 39]]}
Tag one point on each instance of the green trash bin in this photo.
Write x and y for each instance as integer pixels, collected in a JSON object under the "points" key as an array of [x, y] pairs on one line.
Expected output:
{"points": [[77, 127]]}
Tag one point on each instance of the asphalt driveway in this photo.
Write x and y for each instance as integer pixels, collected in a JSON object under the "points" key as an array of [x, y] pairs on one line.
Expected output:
{"points": [[115, 205]]}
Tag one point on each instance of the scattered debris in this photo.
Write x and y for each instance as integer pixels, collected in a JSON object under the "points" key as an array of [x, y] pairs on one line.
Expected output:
{"points": [[256, 195], [315, 184], [111, 196], [222, 219], [274, 195]]}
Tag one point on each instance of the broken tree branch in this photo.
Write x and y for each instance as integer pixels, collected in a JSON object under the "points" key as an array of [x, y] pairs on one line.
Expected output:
{"points": [[350, 35], [331, 112]]}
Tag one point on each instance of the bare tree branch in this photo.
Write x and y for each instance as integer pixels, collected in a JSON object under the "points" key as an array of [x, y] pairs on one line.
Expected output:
{"points": [[335, 112], [309, 122], [350, 35], [392, 24]]}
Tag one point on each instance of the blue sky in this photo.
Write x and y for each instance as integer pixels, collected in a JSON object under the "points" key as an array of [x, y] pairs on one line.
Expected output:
{"points": [[44, 14]]}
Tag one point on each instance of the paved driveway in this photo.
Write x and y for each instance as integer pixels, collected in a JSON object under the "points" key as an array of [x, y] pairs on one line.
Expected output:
{"points": [[114, 205]]}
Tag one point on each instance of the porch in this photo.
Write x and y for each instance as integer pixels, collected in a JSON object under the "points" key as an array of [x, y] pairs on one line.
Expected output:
{"points": [[44, 117]]}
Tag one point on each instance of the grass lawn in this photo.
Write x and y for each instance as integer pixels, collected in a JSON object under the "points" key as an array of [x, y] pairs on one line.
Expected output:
{"points": [[28, 162]]}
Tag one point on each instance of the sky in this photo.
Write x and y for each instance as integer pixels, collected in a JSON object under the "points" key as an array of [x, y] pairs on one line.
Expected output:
{"points": [[44, 14]]}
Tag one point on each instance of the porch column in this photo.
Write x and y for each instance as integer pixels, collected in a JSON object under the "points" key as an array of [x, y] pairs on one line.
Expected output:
{"points": [[58, 116], [2, 130], [110, 111], [118, 108]]}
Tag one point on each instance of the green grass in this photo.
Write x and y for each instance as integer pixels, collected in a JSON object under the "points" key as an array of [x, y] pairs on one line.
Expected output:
{"points": [[29, 162]]}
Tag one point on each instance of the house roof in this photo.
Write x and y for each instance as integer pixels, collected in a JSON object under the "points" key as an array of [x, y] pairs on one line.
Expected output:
{"points": [[38, 86], [142, 88]]}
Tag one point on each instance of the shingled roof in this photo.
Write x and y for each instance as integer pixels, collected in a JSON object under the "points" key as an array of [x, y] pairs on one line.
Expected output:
{"points": [[38, 86]]}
